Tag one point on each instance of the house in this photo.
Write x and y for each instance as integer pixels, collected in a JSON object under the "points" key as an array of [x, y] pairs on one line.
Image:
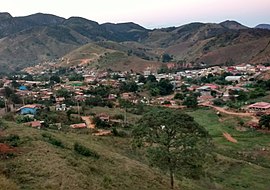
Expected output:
{"points": [[60, 107], [60, 99], [78, 126], [34, 124], [22, 88], [28, 109], [234, 78], [259, 106], [103, 117]]}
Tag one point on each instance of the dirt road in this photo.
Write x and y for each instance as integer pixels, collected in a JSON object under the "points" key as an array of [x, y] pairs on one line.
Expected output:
{"points": [[241, 114], [89, 122]]}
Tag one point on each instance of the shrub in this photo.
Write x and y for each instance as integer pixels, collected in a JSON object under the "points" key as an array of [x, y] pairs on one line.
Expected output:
{"points": [[52, 140], [118, 133], [82, 150], [119, 116], [13, 140]]}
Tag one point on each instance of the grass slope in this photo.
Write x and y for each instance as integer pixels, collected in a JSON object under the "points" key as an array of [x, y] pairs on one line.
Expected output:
{"points": [[243, 165], [39, 164], [42, 165]]}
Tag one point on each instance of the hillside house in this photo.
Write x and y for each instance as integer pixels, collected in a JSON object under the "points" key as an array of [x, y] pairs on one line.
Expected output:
{"points": [[60, 107], [237, 79], [28, 109], [259, 106], [78, 126]]}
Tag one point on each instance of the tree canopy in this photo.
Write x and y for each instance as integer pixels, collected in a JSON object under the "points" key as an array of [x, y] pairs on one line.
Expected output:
{"points": [[175, 142]]}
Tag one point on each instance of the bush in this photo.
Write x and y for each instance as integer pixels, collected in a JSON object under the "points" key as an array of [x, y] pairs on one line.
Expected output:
{"points": [[119, 116], [52, 140], [118, 133], [82, 150], [23, 119], [9, 117], [12, 140]]}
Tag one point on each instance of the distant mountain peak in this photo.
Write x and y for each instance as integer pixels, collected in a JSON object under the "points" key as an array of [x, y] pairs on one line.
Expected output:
{"points": [[5, 15], [263, 26], [233, 25], [44, 19]]}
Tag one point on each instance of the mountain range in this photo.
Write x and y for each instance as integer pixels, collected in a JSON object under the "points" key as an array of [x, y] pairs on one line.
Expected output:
{"points": [[29, 40]]}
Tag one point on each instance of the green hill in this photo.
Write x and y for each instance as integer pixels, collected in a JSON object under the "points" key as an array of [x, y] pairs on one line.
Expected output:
{"points": [[39, 164], [46, 159]]}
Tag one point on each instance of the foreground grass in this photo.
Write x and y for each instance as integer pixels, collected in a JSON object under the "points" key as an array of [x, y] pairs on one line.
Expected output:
{"points": [[242, 165], [46, 159], [42, 164]]}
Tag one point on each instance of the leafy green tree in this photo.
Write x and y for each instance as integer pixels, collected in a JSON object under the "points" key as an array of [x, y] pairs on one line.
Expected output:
{"points": [[179, 96], [7, 92], [166, 58], [15, 99], [165, 87], [2, 103], [265, 121], [175, 142], [151, 78], [76, 77], [142, 79], [129, 86], [55, 79], [63, 93], [191, 101], [15, 84]]}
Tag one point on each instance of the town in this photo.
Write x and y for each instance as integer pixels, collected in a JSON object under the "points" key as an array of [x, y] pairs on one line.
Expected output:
{"points": [[49, 96]]}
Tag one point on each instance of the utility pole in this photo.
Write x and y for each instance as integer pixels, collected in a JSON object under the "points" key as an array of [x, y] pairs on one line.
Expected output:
{"points": [[125, 121], [6, 106], [78, 107]]}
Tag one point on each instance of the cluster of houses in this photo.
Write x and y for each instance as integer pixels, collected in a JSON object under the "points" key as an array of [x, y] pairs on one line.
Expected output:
{"points": [[41, 90]]}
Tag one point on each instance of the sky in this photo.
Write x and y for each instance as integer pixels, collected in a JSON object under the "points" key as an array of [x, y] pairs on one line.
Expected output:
{"points": [[148, 13]]}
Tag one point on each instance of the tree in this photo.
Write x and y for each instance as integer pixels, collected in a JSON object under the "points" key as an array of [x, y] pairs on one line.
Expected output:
{"points": [[175, 142], [55, 78], [166, 58], [265, 121], [128, 87], [151, 78], [63, 93], [7, 92], [179, 96], [142, 79], [165, 87], [191, 101]]}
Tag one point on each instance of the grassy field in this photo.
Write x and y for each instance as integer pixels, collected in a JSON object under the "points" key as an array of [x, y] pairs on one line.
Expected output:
{"points": [[39, 164], [242, 165], [42, 163]]}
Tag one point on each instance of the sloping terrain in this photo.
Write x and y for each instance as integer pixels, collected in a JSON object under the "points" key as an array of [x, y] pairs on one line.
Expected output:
{"points": [[46, 159], [26, 41], [110, 55], [213, 44], [32, 39]]}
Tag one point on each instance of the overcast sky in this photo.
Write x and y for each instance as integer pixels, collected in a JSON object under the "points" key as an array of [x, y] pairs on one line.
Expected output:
{"points": [[148, 13]]}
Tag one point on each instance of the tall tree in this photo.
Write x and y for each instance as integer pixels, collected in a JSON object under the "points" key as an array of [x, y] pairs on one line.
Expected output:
{"points": [[265, 121], [175, 142]]}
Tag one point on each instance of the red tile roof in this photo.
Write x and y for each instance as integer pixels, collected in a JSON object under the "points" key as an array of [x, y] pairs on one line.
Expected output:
{"points": [[78, 126], [260, 105]]}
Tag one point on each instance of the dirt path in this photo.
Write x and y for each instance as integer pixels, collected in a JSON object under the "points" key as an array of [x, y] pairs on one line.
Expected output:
{"points": [[222, 110], [229, 137], [89, 122]]}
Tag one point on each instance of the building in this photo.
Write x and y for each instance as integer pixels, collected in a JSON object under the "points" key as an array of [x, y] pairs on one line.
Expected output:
{"points": [[259, 106], [78, 126], [234, 78], [28, 109]]}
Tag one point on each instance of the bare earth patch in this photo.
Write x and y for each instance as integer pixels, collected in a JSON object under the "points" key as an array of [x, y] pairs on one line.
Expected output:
{"points": [[229, 137]]}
